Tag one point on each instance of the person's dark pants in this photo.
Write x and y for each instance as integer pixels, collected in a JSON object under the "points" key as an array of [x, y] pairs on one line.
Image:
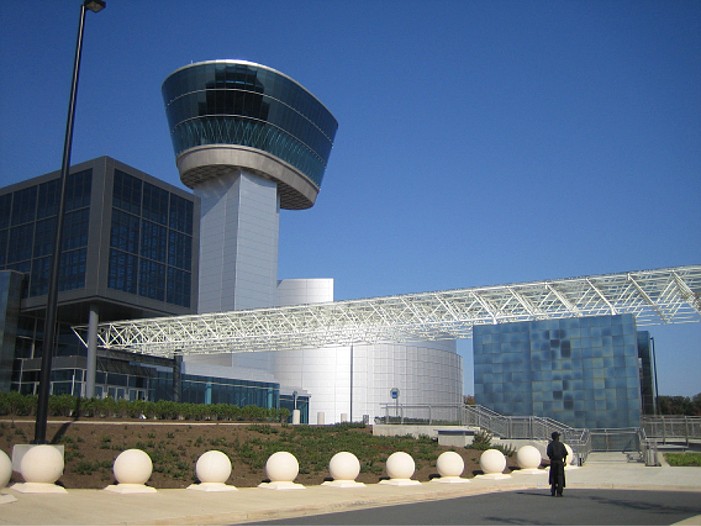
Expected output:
{"points": [[557, 478]]}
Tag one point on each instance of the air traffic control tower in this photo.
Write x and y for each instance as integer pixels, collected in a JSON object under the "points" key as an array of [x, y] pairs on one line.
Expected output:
{"points": [[248, 140]]}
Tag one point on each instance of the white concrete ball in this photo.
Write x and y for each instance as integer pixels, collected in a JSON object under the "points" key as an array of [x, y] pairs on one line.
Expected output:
{"points": [[492, 461], [344, 466], [400, 465], [282, 467], [450, 464], [570, 454], [213, 466], [5, 469], [43, 464], [132, 466], [528, 457]]}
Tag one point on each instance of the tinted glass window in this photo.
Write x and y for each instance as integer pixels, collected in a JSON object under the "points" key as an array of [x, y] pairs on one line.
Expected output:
{"points": [[123, 271], [152, 280], [24, 205], [155, 204], [124, 233], [20, 243], [75, 229], [181, 211], [5, 206], [72, 270], [179, 250], [78, 189], [44, 237], [48, 199], [3, 247], [153, 241], [39, 279], [127, 192]]}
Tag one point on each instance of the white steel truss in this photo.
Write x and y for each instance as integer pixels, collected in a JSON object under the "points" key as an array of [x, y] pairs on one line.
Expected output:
{"points": [[662, 296]]}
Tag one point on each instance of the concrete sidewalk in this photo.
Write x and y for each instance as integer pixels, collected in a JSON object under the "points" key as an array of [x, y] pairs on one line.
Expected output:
{"points": [[180, 506]]}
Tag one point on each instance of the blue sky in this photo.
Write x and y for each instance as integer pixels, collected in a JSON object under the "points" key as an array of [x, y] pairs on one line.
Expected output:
{"points": [[479, 143]]}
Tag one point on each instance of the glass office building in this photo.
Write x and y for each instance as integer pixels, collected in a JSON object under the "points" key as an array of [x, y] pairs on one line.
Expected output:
{"points": [[584, 372], [129, 250], [127, 237]]}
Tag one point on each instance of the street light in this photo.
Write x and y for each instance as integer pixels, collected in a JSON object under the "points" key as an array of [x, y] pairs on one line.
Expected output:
{"points": [[52, 295], [656, 406]]}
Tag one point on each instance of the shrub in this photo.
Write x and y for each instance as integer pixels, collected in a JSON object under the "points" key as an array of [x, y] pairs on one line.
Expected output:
{"points": [[683, 459], [482, 441], [16, 404], [62, 405]]}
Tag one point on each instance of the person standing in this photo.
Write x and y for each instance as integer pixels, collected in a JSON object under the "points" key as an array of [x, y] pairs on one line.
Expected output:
{"points": [[557, 453]]}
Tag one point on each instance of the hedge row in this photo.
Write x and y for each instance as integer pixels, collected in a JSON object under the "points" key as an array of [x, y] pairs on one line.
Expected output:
{"points": [[16, 404]]}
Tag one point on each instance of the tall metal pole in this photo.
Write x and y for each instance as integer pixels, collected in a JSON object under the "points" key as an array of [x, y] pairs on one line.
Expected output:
{"points": [[656, 405], [350, 413], [50, 323]]}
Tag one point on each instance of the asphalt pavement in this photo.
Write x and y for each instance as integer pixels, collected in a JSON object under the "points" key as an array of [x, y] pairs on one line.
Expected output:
{"points": [[579, 506]]}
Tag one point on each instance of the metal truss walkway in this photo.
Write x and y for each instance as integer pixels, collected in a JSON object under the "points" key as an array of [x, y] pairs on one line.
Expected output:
{"points": [[662, 296]]}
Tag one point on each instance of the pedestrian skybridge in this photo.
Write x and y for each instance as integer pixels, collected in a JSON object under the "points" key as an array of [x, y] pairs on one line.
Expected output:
{"points": [[653, 297]]}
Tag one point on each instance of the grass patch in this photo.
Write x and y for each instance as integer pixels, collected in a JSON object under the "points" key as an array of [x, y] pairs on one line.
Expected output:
{"points": [[683, 459]]}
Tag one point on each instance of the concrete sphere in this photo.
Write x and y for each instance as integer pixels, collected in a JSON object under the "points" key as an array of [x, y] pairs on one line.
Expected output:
{"points": [[570, 454], [400, 465], [43, 464], [450, 464], [132, 466], [213, 466], [344, 466], [5, 469], [528, 457], [282, 467], [492, 461]]}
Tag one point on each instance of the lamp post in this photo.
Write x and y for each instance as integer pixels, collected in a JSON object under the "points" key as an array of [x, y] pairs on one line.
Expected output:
{"points": [[656, 405], [52, 295]]}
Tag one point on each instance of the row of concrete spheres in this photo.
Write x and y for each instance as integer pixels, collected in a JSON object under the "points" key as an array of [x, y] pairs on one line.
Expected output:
{"points": [[42, 466]]}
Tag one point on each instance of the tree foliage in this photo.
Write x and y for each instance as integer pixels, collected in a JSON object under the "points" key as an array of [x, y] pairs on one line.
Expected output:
{"points": [[680, 405]]}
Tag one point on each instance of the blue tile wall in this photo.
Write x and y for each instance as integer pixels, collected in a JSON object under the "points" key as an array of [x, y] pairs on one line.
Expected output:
{"points": [[580, 371]]}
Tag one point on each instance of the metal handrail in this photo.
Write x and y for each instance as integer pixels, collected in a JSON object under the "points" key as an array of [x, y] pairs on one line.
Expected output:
{"points": [[502, 426], [666, 428]]}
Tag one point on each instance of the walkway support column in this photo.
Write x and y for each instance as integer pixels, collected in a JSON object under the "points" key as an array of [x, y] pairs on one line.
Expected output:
{"points": [[177, 376], [91, 369]]}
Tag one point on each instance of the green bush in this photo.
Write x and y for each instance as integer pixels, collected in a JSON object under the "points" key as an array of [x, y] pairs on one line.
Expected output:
{"points": [[683, 459], [16, 404], [62, 405], [483, 441]]}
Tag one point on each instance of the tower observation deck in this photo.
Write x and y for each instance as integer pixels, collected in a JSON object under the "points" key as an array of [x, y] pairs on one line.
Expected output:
{"points": [[248, 140], [234, 113]]}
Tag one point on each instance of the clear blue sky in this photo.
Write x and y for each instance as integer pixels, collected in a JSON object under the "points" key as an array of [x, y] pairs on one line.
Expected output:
{"points": [[479, 143]]}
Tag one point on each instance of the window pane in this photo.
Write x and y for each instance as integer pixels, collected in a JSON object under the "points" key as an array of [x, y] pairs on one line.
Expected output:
{"points": [[153, 241], [122, 271], [124, 233], [24, 205], [127, 192], [155, 204]]}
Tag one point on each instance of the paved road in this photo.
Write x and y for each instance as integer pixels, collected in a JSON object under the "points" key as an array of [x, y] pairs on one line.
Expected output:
{"points": [[528, 507]]}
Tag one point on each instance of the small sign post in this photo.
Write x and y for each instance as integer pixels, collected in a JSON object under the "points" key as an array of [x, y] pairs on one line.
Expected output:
{"points": [[394, 393]]}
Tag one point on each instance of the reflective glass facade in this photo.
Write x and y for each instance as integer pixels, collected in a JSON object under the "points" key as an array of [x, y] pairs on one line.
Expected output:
{"points": [[584, 372], [235, 102], [150, 241], [28, 231]]}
